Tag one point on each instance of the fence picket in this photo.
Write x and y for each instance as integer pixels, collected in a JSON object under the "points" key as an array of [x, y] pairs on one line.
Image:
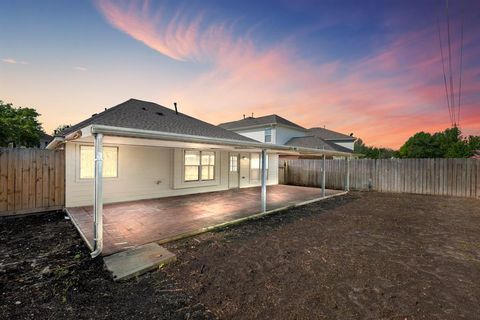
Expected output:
{"points": [[456, 177], [27, 180]]}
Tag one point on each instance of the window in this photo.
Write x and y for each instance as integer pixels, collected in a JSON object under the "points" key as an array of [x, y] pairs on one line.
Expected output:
{"points": [[199, 165], [87, 162], [234, 163], [192, 164], [256, 165], [208, 165], [268, 134]]}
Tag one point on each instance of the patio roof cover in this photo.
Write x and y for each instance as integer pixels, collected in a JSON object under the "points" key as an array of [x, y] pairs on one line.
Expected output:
{"points": [[133, 119]]}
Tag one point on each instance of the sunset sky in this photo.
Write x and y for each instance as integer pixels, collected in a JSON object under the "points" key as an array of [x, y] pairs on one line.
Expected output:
{"points": [[372, 68]]}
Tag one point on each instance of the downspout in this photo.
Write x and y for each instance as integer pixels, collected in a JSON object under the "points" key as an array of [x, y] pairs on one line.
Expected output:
{"points": [[98, 197], [264, 180]]}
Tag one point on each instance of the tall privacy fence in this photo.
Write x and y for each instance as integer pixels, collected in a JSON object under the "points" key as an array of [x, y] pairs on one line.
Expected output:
{"points": [[452, 177], [31, 180]]}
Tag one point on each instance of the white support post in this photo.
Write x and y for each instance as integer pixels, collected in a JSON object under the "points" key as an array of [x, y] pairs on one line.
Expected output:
{"points": [[98, 197], [347, 174], [264, 180], [323, 176]]}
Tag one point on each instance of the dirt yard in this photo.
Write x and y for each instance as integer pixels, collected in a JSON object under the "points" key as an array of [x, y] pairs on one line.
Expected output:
{"points": [[365, 255]]}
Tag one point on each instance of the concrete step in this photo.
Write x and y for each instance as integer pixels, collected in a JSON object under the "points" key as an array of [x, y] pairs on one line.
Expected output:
{"points": [[139, 260]]}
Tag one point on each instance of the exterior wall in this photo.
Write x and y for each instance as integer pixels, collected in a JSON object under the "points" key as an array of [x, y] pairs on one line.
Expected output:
{"points": [[146, 172], [257, 134], [348, 144], [283, 134], [280, 134]]}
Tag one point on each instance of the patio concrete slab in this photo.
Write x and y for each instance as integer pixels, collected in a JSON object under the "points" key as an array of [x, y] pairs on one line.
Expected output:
{"points": [[130, 224], [131, 263]]}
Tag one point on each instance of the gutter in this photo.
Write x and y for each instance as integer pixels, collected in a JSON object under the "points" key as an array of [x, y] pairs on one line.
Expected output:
{"points": [[58, 140], [159, 135]]}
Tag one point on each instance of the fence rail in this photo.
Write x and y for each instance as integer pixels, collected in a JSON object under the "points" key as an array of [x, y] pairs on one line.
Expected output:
{"points": [[31, 180], [448, 177]]}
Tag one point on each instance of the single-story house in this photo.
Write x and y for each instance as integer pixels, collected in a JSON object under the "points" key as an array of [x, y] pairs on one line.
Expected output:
{"points": [[275, 129], [140, 150]]}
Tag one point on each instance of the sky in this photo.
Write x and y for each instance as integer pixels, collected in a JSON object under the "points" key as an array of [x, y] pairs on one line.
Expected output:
{"points": [[371, 68]]}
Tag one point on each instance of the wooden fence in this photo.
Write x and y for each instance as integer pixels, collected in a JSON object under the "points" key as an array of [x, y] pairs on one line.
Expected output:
{"points": [[447, 177], [31, 180]]}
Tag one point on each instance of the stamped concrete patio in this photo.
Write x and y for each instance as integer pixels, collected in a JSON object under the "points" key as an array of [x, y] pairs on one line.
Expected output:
{"points": [[129, 224]]}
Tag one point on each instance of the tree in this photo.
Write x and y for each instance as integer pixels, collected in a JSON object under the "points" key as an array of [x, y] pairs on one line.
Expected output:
{"points": [[60, 128], [445, 144], [373, 152], [19, 126]]}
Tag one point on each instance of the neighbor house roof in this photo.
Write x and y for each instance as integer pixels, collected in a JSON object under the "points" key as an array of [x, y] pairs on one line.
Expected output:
{"points": [[45, 136], [329, 134], [315, 143], [138, 114], [260, 121]]}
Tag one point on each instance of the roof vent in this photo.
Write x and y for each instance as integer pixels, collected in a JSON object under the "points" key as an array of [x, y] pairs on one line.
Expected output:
{"points": [[159, 113], [93, 115], [144, 109], [175, 105]]}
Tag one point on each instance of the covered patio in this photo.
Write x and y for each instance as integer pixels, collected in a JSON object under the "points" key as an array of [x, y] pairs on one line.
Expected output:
{"points": [[130, 224]]}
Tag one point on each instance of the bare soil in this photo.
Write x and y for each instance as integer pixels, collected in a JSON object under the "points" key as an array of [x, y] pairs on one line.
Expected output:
{"points": [[46, 273], [360, 256]]}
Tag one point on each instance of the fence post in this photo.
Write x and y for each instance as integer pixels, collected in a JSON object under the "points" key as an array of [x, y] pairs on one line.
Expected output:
{"points": [[347, 174], [323, 176]]}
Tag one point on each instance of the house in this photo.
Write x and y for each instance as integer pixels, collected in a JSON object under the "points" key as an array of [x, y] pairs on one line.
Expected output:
{"points": [[140, 150], [44, 140], [277, 130]]}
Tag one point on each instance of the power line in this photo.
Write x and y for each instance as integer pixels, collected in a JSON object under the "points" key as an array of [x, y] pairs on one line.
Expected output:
{"points": [[452, 94], [461, 65], [444, 74]]}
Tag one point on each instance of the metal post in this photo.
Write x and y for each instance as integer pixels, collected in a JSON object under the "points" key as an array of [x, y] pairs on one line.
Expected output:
{"points": [[98, 197], [264, 180], [323, 176], [347, 175]]}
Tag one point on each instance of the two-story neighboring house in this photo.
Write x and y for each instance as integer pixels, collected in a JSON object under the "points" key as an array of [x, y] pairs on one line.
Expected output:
{"points": [[277, 130]]}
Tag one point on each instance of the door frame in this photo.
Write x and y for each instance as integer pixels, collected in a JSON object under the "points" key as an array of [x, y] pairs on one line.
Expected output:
{"points": [[230, 154]]}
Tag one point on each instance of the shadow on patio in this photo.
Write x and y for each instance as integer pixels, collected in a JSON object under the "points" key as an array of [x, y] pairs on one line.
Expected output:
{"points": [[129, 224]]}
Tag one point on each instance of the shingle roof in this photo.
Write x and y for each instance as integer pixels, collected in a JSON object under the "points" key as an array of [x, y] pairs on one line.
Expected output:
{"points": [[138, 114], [329, 134], [315, 143], [265, 120]]}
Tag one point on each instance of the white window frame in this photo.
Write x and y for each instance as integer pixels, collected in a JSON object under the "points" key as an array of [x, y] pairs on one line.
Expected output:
{"points": [[230, 164], [200, 165], [80, 162], [259, 166], [269, 134]]}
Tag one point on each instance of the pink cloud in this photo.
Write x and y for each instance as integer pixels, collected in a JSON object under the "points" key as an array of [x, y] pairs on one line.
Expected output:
{"points": [[384, 98], [13, 61]]}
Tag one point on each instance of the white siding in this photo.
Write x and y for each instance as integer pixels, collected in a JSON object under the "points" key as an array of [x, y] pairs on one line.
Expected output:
{"points": [[150, 172], [348, 144], [280, 134], [257, 134], [284, 134]]}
